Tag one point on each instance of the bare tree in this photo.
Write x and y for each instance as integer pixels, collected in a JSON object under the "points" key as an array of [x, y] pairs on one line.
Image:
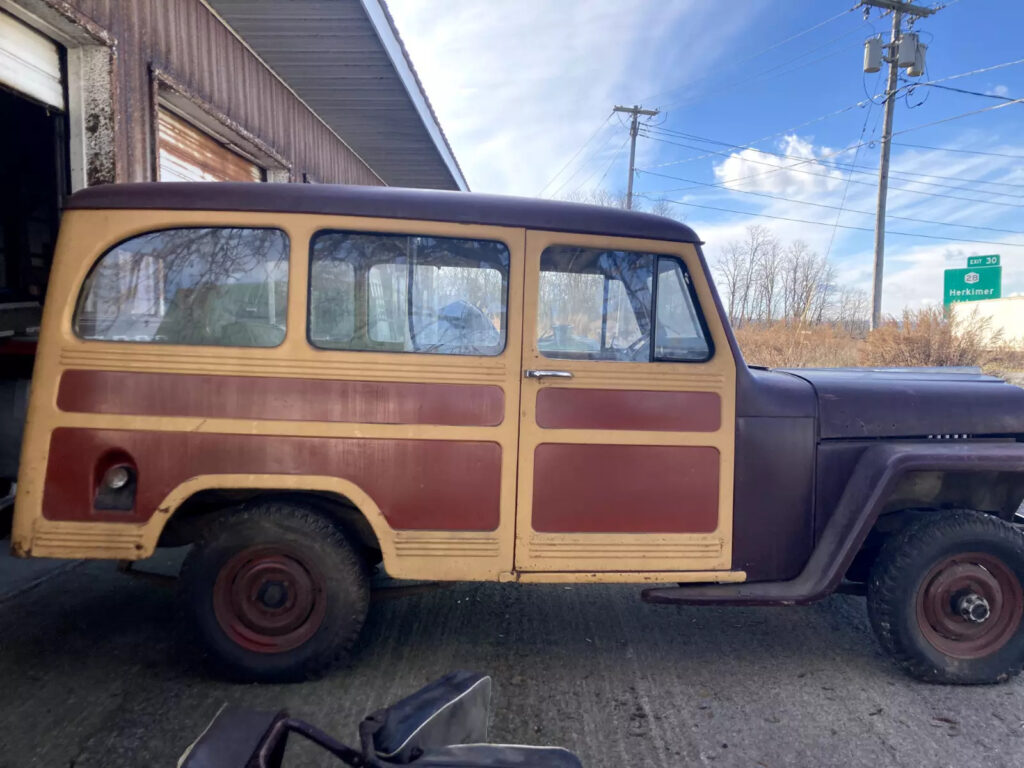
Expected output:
{"points": [[808, 282], [852, 310], [732, 271]]}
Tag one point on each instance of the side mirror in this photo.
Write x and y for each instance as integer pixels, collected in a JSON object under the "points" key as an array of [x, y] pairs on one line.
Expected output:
{"points": [[234, 738], [451, 710], [443, 725], [498, 756]]}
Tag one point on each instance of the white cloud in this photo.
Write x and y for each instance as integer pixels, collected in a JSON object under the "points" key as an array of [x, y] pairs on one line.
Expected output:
{"points": [[998, 90], [801, 175], [519, 85], [914, 264]]}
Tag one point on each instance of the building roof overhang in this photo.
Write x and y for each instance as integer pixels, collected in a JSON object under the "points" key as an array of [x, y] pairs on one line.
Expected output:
{"points": [[346, 61]]}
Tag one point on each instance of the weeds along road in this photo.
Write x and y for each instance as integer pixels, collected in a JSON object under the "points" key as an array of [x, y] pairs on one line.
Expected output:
{"points": [[96, 672]]}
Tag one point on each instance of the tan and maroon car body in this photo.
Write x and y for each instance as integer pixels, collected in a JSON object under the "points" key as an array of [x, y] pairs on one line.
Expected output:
{"points": [[462, 468]]}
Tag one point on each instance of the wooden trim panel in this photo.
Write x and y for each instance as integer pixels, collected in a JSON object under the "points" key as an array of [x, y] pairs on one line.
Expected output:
{"points": [[443, 485], [564, 408], [292, 399], [579, 488]]}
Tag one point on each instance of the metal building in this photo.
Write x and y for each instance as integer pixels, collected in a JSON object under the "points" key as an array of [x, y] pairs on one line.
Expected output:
{"points": [[100, 91]]}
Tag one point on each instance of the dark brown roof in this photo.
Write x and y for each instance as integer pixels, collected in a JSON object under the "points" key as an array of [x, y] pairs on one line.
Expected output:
{"points": [[385, 202]]}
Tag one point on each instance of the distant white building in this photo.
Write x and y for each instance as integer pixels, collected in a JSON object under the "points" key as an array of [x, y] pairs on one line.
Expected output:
{"points": [[1007, 314]]}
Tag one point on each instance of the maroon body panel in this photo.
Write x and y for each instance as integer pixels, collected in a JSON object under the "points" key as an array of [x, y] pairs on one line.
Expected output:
{"points": [[245, 397], [563, 408], [581, 488], [773, 531], [418, 484]]}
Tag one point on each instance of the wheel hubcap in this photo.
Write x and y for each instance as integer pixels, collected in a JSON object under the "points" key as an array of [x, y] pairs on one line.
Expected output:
{"points": [[969, 605], [973, 608], [268, 599]]}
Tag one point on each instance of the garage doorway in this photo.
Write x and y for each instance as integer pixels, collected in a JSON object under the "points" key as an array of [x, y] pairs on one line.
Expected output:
{"points": [[33, 182], [34, 174]]}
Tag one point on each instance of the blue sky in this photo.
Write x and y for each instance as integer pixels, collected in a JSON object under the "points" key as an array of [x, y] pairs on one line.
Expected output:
{"points": [[521, 85]]}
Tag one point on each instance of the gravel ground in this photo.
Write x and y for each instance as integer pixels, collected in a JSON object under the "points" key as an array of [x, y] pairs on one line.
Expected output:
{"points": [[96, 673]]}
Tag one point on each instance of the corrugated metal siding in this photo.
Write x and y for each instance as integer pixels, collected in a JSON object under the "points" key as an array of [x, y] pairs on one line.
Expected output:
{"points": [[184, 39], [330, 53]]}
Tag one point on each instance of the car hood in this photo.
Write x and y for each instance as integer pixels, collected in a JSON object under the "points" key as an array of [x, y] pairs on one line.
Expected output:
{"points": [[913, 402]]}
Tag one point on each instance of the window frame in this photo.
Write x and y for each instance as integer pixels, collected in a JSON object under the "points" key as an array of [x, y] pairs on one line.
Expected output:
{"points": [[689, 291], [506, 280], [80, 295]]}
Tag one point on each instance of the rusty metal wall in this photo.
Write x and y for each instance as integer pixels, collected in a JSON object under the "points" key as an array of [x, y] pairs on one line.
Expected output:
{"points": [[185, 40]]}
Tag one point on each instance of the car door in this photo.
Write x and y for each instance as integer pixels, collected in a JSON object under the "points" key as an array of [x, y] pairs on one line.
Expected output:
{"points": [[627, 420]]}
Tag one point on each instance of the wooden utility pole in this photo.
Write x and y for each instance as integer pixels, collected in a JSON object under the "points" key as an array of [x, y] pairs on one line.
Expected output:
{"points": [[635, 111], [898, 10]]}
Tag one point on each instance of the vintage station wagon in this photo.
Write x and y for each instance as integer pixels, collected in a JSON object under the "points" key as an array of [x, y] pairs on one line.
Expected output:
{"points": [[305, 381]]}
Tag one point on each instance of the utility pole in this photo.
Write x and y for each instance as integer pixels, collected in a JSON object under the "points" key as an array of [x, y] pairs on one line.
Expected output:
{"points": [[635, 111], [898, 8]]}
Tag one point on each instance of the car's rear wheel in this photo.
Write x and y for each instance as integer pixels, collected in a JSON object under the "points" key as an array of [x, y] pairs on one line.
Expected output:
{"points": [[946, 598], [275, 592]]}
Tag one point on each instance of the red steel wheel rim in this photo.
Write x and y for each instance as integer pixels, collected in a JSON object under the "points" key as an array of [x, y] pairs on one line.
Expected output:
{"points": [[268, 599], [973, 576]]}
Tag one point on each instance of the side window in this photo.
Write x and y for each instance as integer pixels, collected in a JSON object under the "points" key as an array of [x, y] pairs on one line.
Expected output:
{"points": [[609, 305], [207, 286], [679, 333], [408, 293]]}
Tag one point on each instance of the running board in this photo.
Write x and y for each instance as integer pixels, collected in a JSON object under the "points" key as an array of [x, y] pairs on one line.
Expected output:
{"points": [[763, 593]]}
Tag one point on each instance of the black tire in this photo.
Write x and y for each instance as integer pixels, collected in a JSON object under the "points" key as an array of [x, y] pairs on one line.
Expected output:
{"points": [[920, 582], [275, 593]]}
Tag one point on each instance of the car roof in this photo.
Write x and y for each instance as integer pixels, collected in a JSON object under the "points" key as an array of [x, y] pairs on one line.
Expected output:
{"points": [[384, 202]]}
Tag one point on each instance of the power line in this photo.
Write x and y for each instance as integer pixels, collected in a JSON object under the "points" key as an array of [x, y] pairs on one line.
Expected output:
{"points": [[846, 187], [828, 224], [833, 164], [957, 117], [841, 208], [775, 168], [615, 156], [576, 153], [895, 133], [978, 71], [771, 71], [756, 55], [964, 90], [961, 151], [582, 165], [749, 145]]}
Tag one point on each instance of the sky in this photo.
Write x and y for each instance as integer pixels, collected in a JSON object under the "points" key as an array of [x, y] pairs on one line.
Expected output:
{"points": [[524, 91]]}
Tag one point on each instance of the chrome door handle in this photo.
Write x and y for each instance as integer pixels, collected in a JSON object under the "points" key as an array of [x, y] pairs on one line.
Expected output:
{"points": [[542, 374]]}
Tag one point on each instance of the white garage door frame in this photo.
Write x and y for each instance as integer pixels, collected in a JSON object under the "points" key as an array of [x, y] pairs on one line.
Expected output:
{"points": [[89, 80], [30, 63]]}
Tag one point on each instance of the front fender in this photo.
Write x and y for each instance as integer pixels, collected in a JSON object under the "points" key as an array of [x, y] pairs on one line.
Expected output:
{"points": [[873, 480]]}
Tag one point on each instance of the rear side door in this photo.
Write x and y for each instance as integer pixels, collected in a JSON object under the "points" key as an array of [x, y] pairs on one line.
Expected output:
{"points": [[627, 419]]}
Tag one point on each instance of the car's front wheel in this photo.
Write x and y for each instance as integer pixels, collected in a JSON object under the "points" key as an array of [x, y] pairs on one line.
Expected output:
{"points": [[276, 593], [946, 599]]}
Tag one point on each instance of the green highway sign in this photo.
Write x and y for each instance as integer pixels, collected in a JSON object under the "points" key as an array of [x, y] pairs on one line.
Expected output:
{"points": [[972, 284], [983, 261]]}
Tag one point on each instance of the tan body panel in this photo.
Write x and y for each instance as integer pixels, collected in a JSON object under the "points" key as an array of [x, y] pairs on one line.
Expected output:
{"points": [[619, 551], [432, 554]]}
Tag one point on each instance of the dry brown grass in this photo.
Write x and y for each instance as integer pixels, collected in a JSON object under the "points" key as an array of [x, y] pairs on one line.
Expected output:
{"points": [[924, 337], [928, 337], [781, 345]]}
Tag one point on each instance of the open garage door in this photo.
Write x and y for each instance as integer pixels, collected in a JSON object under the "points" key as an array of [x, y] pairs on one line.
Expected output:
{"points": [[33, 183], [30, 63], [33, 170], [185, 153]]}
